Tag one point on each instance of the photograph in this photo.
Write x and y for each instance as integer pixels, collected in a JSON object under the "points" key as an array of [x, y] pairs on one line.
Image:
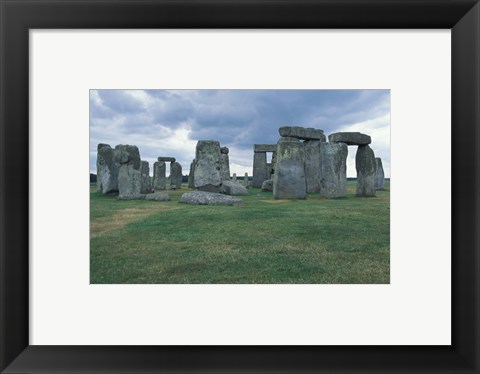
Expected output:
{"points": [[239, 186]]}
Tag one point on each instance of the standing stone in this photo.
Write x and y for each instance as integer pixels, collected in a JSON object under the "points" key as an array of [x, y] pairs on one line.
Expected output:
{"points": [[333, 170], [159, 176], [175, 176], [146, 181], [289, 179], [366, 166], [129, 179], [260, 170], [245, 180], [379, 174], [225, 164], [191, 183], [208, 176], [312, 165], [234, 177], [274, 160], [107, 169]]}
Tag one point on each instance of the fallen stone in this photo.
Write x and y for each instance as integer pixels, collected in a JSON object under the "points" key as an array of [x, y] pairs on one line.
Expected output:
{"points": [[167, 159], [305, 133], [107, 169], [289, 177], [379, 175], [159, 176], [209, 198], [233, 188], [267, 185], [157, 196], [312, 165], [333, 170], [175, 176], [366, 166], [208, 173], [350, 138]]}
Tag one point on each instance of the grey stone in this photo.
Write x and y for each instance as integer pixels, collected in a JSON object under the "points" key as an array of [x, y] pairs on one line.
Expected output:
{"points": [[379, 174], [289, 177], [267, 185], [208, 170], [350, 138], [209, 198], [225, 166], [305, 133], [175, 176], [264, 148], [132, 197], [312, 165], [191, 183], [107, 169], [245, 180], [224, 150], [146, 181], [366, 166], [129, 178], [333, 170], [233, 188], [159, 175], [260, 169], [157, 196], [234, 177], [167, 159]]}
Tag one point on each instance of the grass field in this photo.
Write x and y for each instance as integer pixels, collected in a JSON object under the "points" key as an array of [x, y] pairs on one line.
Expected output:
{"points": [[265, 241]]}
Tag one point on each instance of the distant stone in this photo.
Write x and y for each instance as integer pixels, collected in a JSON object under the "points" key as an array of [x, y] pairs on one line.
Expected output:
{"points": [[312, 165], [245, 180], [267, 185], [305, 133], [159, 176], [209, 198], [379, 175], [350, 138], [175, 176], [158, 196], [366, 166], [107, 169], [131, 197], [146, 181], [233, 188], [289, 177], [167, 159], [129, 178], [191, 183], [333, 170], [208, 171], [260, 169]]}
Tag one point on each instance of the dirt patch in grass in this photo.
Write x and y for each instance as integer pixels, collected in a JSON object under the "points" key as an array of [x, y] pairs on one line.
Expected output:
{"points": [[102, 226]]}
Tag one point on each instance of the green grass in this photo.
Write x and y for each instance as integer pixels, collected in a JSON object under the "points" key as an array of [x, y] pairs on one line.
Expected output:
{"points": [[315, 240]]}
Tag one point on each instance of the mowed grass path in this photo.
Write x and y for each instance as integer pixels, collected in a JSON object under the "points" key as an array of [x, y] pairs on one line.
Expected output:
{"points": [[265, 241]]}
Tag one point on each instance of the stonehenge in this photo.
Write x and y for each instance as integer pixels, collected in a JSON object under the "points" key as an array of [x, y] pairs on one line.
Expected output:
{"points": [[175, 175], [146, 181], [191, 183], [159, 176], [261, 169], [289, 178], [379, 175], [107, 169], [350, 138], [366, 166], [208, 166], [333, 170], [225, 164], [302, 133], [129, 179], [312, 165]]}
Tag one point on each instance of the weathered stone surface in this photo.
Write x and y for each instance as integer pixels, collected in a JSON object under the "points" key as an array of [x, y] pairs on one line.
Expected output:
{"points": [[208, 171], [191, 182], [333, 170], [107, 169], [129, 178], [289, 177], [146, 181], [127, 154], [234, 177], [264, 148], [350, 138], [305, 133], [167, 159], [245, 180], [233, 188], [366, 166], [132, 197], [175, 176], [159, 176], [224, 150], [209, 198], [312, 165], [157, 196], [260, 169], [225, 166], [267, 185], [379, 174]]}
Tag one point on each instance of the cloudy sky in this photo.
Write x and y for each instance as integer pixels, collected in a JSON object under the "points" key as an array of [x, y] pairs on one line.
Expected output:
{"points": [[170, 122]]}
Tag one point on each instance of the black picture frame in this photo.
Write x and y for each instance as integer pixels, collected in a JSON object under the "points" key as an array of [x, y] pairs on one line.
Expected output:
{"points": [[18, 16]]}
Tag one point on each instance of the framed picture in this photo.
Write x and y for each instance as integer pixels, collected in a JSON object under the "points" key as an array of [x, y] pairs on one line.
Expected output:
{"points": [[201, 333]]}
